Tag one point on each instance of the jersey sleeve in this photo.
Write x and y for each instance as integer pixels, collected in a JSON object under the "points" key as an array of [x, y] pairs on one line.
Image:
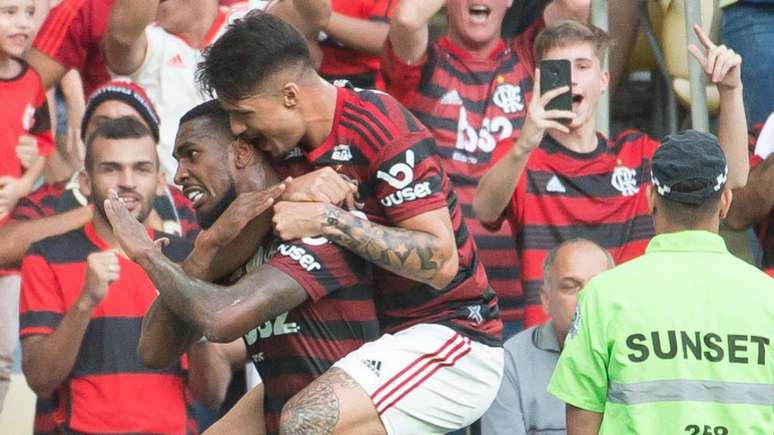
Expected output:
{"points": [[402, 80], [382, 10], [27, 209], [580, 377], [42, 304], [319, 266], [65, 33], [409, 179]]}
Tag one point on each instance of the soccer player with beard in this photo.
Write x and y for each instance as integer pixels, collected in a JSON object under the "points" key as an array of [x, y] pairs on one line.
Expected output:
{"points": [[300, 305], [441, 342], [82, 304]]}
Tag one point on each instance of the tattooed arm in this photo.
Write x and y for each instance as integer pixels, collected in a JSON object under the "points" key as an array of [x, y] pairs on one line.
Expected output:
{"points": [[421, 248]]}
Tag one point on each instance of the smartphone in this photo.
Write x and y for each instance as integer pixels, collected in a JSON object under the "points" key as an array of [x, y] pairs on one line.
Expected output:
{"points": [[555, 73]]}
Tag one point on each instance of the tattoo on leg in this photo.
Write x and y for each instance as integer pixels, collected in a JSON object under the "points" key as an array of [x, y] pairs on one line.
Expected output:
{"points": [[315, 410]]}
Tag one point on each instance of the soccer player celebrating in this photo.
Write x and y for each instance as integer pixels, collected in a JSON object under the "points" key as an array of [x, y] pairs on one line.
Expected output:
{"points": [[300, 305], [439, 314]]}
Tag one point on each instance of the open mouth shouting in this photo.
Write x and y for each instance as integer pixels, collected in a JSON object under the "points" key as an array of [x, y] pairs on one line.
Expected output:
{"points": [[196, 194], [479, 14]]}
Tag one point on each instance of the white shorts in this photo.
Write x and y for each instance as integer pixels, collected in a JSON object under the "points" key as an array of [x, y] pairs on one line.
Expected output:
{"points": [[427, 378]]}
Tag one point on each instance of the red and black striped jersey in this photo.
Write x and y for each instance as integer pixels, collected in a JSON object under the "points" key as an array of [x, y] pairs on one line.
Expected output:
{"points": [[344, 63], [72, 35], [599, 196], [175, 210], [293, 349], [379, 144], [24, 112], [108, 389], [475, 108]]}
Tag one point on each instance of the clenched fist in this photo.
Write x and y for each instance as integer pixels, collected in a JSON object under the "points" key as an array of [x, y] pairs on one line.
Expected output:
{"points": [[102, 269]]}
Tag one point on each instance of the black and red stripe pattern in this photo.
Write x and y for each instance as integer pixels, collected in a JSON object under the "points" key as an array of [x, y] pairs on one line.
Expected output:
{"points": [[72, 35], [381, 145], [475, 109], [599, 196], [141, 400], [297, 347], [174, 209]]}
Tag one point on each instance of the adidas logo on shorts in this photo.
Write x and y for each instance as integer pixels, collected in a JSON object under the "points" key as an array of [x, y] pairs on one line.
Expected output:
{"points": [[373, 365]]}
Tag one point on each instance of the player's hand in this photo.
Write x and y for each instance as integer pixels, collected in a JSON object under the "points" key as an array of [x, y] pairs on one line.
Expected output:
{"points": [[721, 64], [246, 207], [322, 185], [296, 220], [130, 233], [102, 269], [11, 191], [27, 150], [538, 119]]}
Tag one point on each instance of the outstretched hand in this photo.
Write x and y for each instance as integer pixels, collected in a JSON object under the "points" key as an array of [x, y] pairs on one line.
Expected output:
{"points": [[721, 64], [130, 233]]}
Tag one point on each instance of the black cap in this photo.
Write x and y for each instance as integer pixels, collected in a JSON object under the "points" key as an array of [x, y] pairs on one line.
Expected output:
{"points": [[689, 167]]}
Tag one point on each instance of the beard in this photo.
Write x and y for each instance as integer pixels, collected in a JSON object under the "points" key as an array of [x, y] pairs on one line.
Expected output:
{"points": [[207, 218], [141, 213]]}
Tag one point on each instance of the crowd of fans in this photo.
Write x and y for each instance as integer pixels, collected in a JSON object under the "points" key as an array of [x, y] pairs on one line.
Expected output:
{"points": [[391, 227]]}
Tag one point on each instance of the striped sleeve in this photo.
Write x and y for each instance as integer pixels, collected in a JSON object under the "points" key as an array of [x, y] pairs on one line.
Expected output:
{"points": [[319, 266], [64, 34], [409, 178], [42, 304]]}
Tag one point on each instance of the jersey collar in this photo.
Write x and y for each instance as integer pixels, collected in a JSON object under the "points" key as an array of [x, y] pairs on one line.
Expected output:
{"points": [[99, 242], [313, 155], [687, 241], [461, 53], [544, 338]]}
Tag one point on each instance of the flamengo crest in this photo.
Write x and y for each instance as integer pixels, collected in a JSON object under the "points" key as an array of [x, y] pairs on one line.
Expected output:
{"points": [[625, 180], [508, 97]]}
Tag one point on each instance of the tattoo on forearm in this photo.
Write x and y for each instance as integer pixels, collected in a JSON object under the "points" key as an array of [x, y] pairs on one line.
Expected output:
{"points": [[193, 300], [412, 254]]}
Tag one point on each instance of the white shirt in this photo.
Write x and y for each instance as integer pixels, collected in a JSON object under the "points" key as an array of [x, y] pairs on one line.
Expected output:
{"points": [[168, 76]]}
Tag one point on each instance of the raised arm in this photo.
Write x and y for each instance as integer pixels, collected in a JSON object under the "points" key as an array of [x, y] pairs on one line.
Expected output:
{"points": [[360, 34], [723, 68], [409, 28], [49, 359], [496, 187], [165, 335], [125, 42]]}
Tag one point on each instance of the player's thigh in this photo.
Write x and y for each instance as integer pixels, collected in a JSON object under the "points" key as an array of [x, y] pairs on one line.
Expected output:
{"points": [[245, 417], [426, 379], [332, 404]]}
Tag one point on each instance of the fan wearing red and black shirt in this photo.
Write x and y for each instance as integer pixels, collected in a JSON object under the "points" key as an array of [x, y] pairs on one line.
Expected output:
{"points": [[300, 305], [82, 305], [471, 88], [561, 181], [59, 207], [440, 317]]}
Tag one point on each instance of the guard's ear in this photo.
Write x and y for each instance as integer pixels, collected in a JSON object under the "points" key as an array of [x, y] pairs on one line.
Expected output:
{"points": [[725, 202]]}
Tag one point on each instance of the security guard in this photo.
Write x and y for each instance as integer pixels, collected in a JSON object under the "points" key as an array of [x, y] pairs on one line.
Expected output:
{"points": [[678, 341]]}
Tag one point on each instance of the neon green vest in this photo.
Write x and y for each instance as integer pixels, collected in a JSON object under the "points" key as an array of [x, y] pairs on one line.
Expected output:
{"points": [[678, 341]]}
